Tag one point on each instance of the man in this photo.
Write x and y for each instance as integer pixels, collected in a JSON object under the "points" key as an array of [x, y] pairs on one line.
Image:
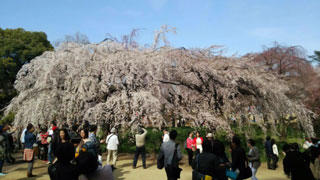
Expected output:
{"points": [[140, 149], [92, 145], [112, 147], [171, 159], [9, 143], [165, 137], [269, 153]]}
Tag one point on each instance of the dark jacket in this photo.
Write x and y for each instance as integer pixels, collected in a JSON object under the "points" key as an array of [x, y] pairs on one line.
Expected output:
{"points": [[295, 166], [238, 160], [29, 140], [60, 171], [207, 164], [268, 147]]}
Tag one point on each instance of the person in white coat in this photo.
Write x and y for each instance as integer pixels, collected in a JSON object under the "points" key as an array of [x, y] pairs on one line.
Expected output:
{"points": [[112, 147], [275, 154]]}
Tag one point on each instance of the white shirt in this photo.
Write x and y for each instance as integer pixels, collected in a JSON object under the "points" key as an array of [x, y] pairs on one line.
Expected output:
{"points": [[166, 138], [22, 135], [50, 132], [112, 142], [275, 149]]}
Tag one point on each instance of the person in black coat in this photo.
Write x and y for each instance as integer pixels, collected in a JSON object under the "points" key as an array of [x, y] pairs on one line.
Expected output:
{"points": [[268, 147], [294, 164], [207, 163], [238, 157], [63, 169]]}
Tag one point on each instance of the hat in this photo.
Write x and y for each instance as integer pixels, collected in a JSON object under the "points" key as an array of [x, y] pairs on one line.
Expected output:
{"points": [[113, 130], [209, 135]]}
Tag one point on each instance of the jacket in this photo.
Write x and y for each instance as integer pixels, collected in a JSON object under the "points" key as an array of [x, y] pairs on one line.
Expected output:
{"points": [[254, 157], [238, 160], [168, 149], [268, 147], [207, 164], [29, 140], [141, 138]]}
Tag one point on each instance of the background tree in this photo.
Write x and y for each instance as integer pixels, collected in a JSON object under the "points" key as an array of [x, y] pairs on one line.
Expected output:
{"points": [[78, 38], [17, 47], [316, 57]]}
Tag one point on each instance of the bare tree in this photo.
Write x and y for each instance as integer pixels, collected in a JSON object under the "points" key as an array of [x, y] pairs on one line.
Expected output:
{"points": [[78, 38], [161, 34]]}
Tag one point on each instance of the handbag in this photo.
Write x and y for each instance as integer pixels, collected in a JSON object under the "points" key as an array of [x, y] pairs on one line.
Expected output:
{"points": [[160, 160], [247, 171], [196, 175], [231, 174]]}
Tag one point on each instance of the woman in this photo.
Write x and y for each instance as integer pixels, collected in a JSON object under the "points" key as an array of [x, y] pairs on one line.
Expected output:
{"points": [[275, 154], [2, 151], [84, 139], [60, 138], [44, 143], [190, 147], [238, 157], [29, 140], [254, 158], [219, 150], [197, 142]]}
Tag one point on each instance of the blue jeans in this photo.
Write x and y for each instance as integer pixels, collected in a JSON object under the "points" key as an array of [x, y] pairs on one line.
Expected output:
{"points": [[254, 172], [50, 156]]}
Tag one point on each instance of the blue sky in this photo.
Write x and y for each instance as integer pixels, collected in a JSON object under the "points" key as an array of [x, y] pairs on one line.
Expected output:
{"points": [[241, 26]]}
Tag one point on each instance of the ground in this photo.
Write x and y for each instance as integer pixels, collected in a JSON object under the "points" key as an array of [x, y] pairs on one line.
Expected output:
{"points": [[18, 171]]}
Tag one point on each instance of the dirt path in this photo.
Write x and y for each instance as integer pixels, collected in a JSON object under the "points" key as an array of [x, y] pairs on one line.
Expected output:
{"points": [[18, 171]]}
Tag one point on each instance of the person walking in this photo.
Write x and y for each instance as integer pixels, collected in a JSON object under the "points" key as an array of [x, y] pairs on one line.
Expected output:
{"points": [[140, 148], [197, 142], [172, 156], [50, 140], [238, 157], [254, 158], [28, 155], [268, 148], [112, 147], [190, 147], [207, 163], [275, 154], [2, 150]]}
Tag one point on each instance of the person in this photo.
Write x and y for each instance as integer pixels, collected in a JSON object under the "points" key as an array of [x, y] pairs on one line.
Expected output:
{"points": [[197, 142], [190, 147], [9, 143], [165, 137], [224, 163], [238, 155], [268, 148], [275, 154], [209, 137], [29, 139], [314, 157], [22, 137], [50, 140], [294, 165], [92, 144], [140, 148], [254, 158], [112, 147], [73, 133], [2, 150], [171, 158], [90, 170], [62, 169], [307, 143], [84, 138], [44, 143], [207, 163], [63, 137]]}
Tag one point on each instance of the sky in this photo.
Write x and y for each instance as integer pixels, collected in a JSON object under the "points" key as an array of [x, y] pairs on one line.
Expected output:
{"points": [[241, 26]]}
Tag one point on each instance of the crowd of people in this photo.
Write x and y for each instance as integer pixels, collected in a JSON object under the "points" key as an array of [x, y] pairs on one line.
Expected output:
{"points": [[74, 153]]}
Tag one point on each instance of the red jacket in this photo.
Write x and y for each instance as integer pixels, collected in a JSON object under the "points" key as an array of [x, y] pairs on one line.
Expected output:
{"points": [[195, 141]]}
